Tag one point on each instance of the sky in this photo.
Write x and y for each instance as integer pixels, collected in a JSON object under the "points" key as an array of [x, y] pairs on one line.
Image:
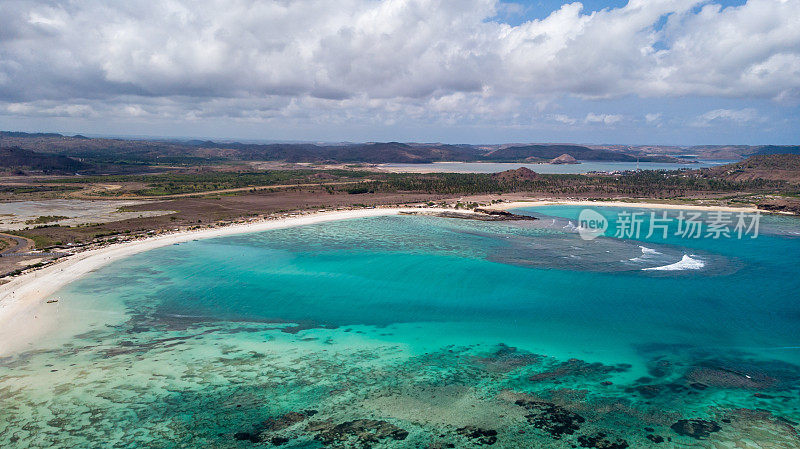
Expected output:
{"points": [[669, 72]]}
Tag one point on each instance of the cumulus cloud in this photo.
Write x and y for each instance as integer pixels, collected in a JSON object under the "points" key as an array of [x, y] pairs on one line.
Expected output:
{"points": [[565, 119], [606, 119], [652, 118], [740, 116], [383, 59]]}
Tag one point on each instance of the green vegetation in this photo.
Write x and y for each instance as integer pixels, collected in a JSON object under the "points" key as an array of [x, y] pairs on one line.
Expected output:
{"points": [[37, 189], [15, 158], [40, 241], [768, 162], [42, 219], [172, 184], [359, 190], [656, 184]]}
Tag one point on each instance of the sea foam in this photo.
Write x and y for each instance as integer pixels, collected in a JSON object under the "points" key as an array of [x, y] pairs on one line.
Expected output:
{"points": [[646, 252], [686, 263]]}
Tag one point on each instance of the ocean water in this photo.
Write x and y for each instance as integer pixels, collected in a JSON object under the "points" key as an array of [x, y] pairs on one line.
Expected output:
{"points": [[583, 167], [411, 331]]}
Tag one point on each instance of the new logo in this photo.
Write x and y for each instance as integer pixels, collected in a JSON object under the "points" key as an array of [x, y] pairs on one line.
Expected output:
{"points": [[591, 224]]}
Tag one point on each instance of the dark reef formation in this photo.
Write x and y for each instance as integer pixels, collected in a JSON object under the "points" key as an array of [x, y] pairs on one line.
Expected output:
{"points": [[478, 435], [359, 432], [695, 428], [578, 368], [551, 418]]}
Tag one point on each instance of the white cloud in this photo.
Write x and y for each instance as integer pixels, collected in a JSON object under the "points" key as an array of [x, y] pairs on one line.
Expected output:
{"points": [[740, 116], [387, 59], [653, 117], [49, 109], [606, 119], [561, 118]]}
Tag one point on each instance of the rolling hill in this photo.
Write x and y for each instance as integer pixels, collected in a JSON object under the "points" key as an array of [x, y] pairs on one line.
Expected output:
{"points": [[581, 153], [20, 159], [775, 167], [135, 151]]}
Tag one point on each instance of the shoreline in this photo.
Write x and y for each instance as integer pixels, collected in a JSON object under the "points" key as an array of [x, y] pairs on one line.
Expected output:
{"points": [[22, 296], [635, 204]]}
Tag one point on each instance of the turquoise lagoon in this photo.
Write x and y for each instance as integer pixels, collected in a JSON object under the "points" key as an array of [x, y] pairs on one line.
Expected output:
{"points": [[409, 331]]}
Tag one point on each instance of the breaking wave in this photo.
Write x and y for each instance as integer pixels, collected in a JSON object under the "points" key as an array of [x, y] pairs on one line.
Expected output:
{"points": [[570, 227], [686, 263], [645, 253]]}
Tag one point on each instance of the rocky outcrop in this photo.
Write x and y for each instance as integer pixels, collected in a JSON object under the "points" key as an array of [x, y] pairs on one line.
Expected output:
{"points": [[502, 214], [564, 159], [477, 214], [783, 205]]}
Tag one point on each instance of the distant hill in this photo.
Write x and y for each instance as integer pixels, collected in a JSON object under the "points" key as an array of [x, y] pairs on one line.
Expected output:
{"points": [[120, 151], [164, 152], [581, 153], [400, 152], [28, 135], [707, 152], [739, 151], [20, 159], [776, 167], [778, 149], [541, 152], [373, 153], [521, 174]]}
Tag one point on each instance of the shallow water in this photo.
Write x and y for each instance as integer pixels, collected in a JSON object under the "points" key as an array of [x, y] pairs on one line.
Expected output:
{"points": [[423, 332]]}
